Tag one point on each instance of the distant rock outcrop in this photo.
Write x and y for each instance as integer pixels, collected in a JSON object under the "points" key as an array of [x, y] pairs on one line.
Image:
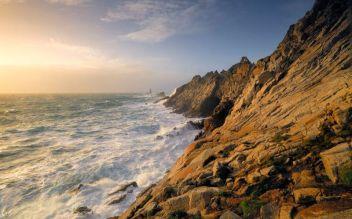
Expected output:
{"points": [[201, 95], [279, 141]]}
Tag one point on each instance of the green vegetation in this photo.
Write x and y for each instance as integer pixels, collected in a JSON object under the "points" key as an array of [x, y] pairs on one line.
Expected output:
{"points": [[250, 208], [346, 176], [345, 133]]}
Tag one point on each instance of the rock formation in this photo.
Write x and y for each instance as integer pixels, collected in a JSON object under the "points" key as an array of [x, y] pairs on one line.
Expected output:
{"points": [[279, 142], [201, 95]]}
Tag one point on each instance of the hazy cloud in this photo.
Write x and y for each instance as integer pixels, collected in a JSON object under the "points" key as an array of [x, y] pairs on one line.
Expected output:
{"points": [[64, 2], [158, 20], [68, 2]]}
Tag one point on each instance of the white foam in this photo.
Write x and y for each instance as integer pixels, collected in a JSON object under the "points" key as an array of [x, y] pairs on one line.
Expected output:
{"points": [[109, 153]]}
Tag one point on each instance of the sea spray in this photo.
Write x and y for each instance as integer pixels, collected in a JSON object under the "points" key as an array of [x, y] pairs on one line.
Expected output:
{"points": [[60, 152]]}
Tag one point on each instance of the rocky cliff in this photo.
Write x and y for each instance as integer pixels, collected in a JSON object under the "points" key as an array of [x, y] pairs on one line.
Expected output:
{"points": [[280, 143], [201, 95]]}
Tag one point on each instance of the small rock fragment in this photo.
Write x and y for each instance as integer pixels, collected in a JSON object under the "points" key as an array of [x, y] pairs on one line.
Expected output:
{"points": [[229, 215], [82, 210]]}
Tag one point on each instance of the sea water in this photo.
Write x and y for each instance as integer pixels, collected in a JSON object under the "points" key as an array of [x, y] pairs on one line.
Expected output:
{"points": [[51, 144]]}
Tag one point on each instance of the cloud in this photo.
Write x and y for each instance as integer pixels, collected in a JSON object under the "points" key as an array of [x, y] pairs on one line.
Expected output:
{"points": [[158, 20], [68, 2], [64, 2], [2, 2], [83, 56]]}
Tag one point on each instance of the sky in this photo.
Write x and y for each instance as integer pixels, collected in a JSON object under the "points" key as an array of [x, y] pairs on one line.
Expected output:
{"points": [[108, 46]]}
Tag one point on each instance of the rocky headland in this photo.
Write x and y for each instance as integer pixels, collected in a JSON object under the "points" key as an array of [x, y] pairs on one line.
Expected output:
{"points": [[277, 138]]}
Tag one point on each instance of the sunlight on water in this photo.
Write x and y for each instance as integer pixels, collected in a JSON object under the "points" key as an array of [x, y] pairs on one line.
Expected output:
{"points": [[50, 144]]}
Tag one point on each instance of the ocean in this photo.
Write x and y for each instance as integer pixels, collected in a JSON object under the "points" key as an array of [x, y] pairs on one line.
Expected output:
{"points": [[52, 144]]}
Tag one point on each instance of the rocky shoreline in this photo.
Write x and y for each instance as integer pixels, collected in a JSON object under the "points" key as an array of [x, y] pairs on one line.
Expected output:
{"points": [[277, 140]]}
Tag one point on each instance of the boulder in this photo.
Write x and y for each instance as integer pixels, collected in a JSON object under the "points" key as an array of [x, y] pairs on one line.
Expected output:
{"points": [[267, 171], [204, 158], [286, 211], [327, 210], [337, 161], [236, 162], [254, 177], [229, 215], [269, 211], [306, 195], [179, 203], [201, 197], [304, 178]]}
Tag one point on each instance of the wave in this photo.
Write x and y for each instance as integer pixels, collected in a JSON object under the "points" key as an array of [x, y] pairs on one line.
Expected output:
{"points": [[97, 143], [173, 92]]}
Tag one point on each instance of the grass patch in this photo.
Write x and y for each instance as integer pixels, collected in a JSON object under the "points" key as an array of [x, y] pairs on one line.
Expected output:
{"points": [[345, 133], [250, 208], [346, 176]]}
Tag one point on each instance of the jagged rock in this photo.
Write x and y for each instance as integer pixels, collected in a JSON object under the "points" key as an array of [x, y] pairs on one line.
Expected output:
{"points": [[216, 182], [229, 183], [337, 160], [117, 200], [239, 182], [166, 193], [194, 212], [196, 124], [205, 157], [200, 197], [229, 215], [306, 195], [304, 178], [273, 195], [267, 171], [202, 95], [293, 91], [187, 188], [123, 188], [236, 162], [151, 208], [82, 210], [286, 211], [215, 203], [76, 189], [254, 177], [217, 119]]}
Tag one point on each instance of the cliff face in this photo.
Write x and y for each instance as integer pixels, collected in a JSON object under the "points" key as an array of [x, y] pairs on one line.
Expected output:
{"points": [[201, 95], [284, 147]]}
